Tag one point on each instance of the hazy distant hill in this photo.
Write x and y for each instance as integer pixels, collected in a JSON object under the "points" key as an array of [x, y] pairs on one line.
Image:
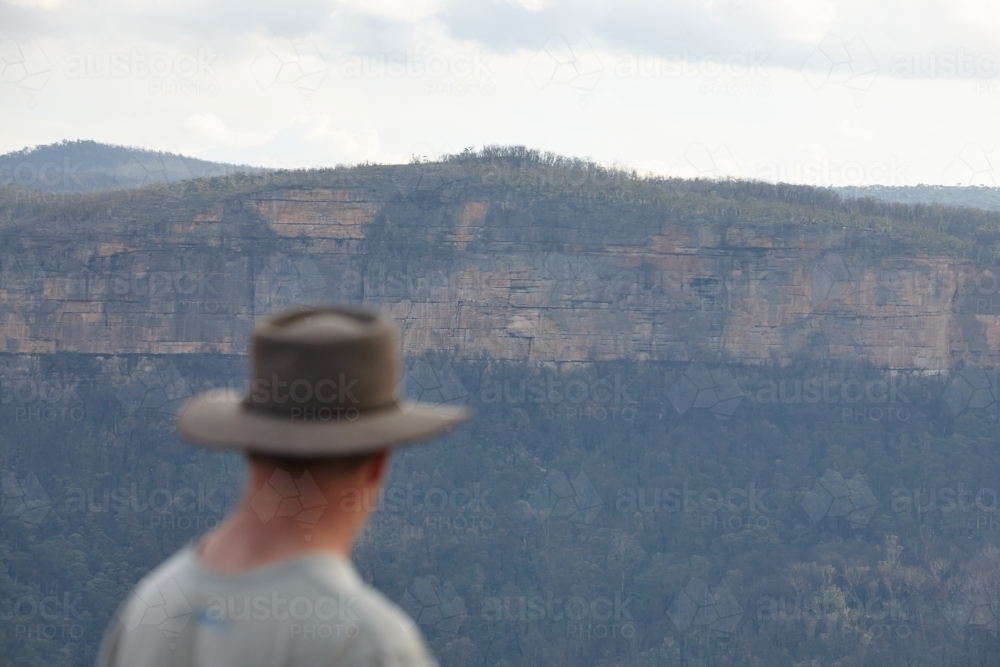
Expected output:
{"points": [[977, 196], [88, 166]]}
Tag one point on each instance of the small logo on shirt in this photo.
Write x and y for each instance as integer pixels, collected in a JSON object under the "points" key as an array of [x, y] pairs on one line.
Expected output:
{"points": [[206, 619]]}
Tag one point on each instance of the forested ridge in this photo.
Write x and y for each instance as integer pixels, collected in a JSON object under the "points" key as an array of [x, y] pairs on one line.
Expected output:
{"points": [[837, 514]]}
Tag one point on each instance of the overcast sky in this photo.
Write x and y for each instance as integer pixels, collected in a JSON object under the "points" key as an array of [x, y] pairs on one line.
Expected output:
{"points": [[824, 92]]}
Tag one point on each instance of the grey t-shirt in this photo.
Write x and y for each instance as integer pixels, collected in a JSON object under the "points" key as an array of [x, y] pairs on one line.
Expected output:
{"points": [[308, 610]]}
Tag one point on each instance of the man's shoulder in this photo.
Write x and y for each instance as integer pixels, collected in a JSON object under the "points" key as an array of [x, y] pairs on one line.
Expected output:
{"points": [[379, 625], [320, 604], [157, 602], [162, 587]]}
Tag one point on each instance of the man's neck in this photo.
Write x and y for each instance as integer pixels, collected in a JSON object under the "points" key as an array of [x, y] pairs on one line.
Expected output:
{"points": [[283, 516], [246, 541]]}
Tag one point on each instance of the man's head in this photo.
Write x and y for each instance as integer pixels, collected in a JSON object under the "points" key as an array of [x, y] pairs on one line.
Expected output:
{"points": [[324, 409]]}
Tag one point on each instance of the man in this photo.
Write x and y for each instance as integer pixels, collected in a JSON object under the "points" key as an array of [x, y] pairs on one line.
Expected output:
{"points": [[273, 583]]}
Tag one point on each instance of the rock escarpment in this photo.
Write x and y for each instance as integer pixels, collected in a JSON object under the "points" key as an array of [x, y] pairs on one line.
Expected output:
{"points": [[485, 265]]}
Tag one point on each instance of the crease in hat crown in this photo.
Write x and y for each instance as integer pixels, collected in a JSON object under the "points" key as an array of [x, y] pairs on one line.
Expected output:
{"points": [[320, 325]]}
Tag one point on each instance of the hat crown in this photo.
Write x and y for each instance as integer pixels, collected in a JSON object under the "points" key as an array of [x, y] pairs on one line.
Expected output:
{"points": [[319, 325], [324, 360]]}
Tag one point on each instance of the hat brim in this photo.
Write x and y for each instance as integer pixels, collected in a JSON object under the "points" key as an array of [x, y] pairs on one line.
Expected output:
{"points": [[223, 422]]}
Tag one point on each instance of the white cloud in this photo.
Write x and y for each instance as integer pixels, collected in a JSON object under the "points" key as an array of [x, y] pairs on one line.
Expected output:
{"points": [[855, 131], [47, 5], [394, 10], [529, 5], [213, 127], [350, 146], [976, 14]]}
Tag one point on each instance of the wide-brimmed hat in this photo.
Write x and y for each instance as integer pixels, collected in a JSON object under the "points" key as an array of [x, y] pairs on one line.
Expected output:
{"points": [[325, 382]]}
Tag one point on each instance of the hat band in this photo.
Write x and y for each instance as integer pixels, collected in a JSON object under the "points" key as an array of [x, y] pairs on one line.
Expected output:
{"points": [[317, 412]]}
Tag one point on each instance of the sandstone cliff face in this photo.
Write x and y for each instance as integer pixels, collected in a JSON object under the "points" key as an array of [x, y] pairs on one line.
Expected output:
{"points": [[485, 271]]}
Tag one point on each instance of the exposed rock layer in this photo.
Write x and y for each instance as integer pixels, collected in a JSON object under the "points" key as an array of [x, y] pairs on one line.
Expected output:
{"points": [[483, 271]]}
